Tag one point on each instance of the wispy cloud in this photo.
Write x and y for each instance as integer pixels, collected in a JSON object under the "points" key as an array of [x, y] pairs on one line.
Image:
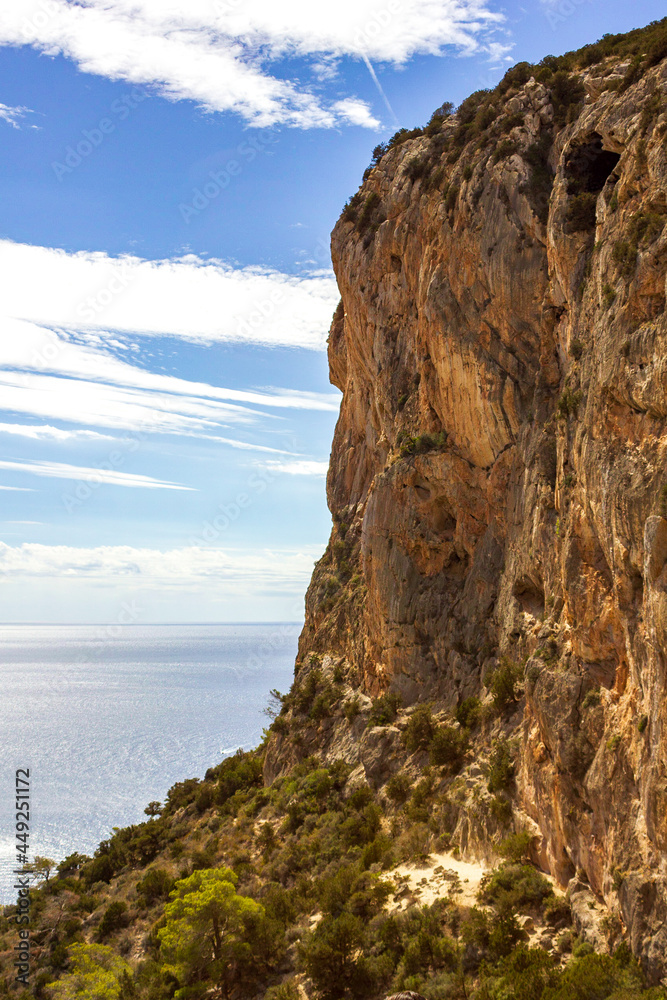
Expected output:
{"points": [[44, 432], [69, 350], [203, 301], [173, 568], [14, 116], [17, 489], [218, 54], [301, 467], [111, 477]]}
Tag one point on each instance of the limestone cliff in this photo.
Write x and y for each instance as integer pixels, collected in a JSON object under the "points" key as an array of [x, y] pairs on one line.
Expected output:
{"points": [[498, 473]]}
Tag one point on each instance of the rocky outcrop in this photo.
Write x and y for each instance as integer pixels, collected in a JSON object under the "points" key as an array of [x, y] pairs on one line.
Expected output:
{"points": [[498, 473]]}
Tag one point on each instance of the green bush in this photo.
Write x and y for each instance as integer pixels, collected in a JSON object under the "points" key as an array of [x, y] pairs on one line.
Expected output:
{"points": [[597, 977], [503, 682], [115, 917], [505, 149], [515, 887], [624, 254], [420, 729], [516, 847], [385, 709], [468, 712], [580, 214], [567, 95], [154, 886], [568, 404], [398, 788], [329, 955], [448, 747], [501, 766]]}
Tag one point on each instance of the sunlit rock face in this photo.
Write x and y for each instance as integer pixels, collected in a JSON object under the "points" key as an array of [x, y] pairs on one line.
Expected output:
{"points": [[498, 471]]}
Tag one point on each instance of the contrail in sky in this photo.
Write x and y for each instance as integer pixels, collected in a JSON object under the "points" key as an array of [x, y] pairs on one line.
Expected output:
{"points": [[379, 87]]}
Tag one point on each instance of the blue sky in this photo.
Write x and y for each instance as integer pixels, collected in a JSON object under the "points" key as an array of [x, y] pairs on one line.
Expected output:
{"points": [[170, 174]]}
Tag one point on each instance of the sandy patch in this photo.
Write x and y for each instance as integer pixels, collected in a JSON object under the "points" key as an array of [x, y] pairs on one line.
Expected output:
{"points": [[441, 875]]}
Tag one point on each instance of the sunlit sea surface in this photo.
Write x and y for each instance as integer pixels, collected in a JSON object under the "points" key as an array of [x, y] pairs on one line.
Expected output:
{"points": [[108, 718]]}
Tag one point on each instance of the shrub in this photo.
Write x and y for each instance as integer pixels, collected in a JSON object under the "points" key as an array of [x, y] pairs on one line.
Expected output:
{"points": [[515, 76], [502, 683], [467, 713], [448, 746], [289, 990], [608, 296], [352, 708], [115, 917], [580, 214], [625, 255], [398, 788], [155, 885], [591, 699], [568, 403], [385, 709], [451, 197], [501, 766], [421, 443], [643, 723], [576, 349], [567, 93], [418, 167], [591, 977], [557, 913], [420, 729], [240, 772], [378, 153], [328, 955], [505, 149], [515, 887], [658, 50], [516, 847]]}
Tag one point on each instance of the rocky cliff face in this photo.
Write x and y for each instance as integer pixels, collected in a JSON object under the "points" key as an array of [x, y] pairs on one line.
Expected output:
{"points": [[498, 474]]}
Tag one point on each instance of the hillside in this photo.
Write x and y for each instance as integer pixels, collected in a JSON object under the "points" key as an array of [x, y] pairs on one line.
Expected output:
{"points": [[480, 679]]}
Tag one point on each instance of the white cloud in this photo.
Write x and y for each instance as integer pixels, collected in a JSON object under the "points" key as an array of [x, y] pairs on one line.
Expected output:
{"points": [[205, 301], [175, 567], [217, 52], [59, 360], [110, 477], [300, 468], [44, 432], [17, 489], [13, 116]]}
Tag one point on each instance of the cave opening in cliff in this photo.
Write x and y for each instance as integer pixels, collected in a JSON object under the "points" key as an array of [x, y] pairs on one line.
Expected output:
{"points": [[589, 165]]}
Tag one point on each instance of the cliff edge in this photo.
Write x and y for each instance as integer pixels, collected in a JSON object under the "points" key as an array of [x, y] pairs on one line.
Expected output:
{"points": [[498, 478]]}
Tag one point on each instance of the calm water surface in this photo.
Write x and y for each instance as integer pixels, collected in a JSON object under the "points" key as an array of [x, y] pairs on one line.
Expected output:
{"points": [[109, 718]]}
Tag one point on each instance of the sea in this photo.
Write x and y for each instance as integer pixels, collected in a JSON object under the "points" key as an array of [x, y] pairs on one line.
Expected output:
{"points": [[108, 718]]}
